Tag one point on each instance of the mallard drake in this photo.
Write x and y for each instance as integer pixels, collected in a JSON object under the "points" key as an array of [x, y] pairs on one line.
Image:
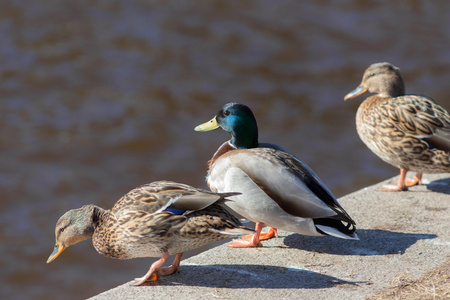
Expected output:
{"points": [[410, 132], [277, 189], [157, 219]]}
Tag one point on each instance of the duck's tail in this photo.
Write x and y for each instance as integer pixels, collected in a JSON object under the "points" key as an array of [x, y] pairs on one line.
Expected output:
{"points": [[336, 228], [235, 231]]}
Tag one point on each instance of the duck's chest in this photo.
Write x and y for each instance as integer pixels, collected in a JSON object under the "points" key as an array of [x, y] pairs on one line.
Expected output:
{"points": [[216, 177], [105, 240], [114, 241], [218, 167], [225, 173], [376, 124], [372, 114]]}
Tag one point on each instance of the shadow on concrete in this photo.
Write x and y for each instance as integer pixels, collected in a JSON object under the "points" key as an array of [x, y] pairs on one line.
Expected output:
{"points": [[440, 186], [372, 242], [250, 276]]}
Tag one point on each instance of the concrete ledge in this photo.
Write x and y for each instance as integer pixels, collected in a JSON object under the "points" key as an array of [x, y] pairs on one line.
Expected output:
{"points": [[403, 233]]}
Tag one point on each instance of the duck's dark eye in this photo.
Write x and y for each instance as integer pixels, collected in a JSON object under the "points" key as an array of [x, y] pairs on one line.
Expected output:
{"points": [[226, 113], [61, 229], [371, 74]]}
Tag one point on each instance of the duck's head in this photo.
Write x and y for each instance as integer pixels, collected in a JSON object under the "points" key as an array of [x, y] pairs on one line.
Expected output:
{"points": [[74, 226], [239, 121], [383, 79]]}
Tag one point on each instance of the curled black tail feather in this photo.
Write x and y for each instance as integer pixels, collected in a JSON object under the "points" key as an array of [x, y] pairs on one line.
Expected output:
{"points": [[344, 227]]}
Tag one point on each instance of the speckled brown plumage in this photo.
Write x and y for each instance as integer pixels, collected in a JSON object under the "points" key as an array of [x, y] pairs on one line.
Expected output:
{"points": [[410, 132], [143, 224]]}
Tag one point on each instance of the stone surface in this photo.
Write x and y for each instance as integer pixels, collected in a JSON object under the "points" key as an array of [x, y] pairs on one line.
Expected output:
{"points": [[401, 233]]}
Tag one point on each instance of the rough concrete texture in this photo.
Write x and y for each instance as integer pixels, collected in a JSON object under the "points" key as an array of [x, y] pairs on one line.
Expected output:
{"points": [[401, 233]]}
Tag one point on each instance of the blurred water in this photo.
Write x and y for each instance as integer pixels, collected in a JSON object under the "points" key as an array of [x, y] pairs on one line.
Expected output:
{"points": [[98, 97]]}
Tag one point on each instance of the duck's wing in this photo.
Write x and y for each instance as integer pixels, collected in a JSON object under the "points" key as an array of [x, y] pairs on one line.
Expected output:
{"points": [[162, 195], [139, 222], [421, 117], [289, 182], [143, 234]]}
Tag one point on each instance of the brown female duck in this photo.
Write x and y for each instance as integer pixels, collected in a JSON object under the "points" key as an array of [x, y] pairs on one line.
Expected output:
{"points": [[157, 219], [410, 132]]}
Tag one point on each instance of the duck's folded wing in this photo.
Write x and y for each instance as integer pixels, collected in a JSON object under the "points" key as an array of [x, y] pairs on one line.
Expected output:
{"points": [[160, 195], [289, 182], [141, 225], [421, 117], [440, 140]]}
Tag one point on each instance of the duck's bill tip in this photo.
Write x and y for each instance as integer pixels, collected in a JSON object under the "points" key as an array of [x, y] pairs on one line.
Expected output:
{"points": [[56, 252], [356, 92], [207, 126]]}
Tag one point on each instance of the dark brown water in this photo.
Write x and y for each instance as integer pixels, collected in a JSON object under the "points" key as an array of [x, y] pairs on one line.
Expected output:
{"points": [[98, 97]]}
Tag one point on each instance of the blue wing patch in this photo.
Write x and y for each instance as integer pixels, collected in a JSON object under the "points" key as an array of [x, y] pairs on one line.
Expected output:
{"points": [[175, 211]]}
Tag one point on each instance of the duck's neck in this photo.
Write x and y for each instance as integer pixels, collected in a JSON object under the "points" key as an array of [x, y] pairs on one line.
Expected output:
{"points": [[95, 215], [104, 236], [245, 138], [396, 88]]}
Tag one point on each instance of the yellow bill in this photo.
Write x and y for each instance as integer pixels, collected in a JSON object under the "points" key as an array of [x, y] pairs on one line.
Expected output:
{"points": [[56, 252], [210, 125]]}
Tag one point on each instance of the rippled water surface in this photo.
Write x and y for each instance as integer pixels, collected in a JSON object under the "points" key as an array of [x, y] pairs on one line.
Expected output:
{"points": [[98, 97]]}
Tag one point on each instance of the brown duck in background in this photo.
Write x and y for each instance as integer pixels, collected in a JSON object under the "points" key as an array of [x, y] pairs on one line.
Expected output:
{"points": [[157, 219], [410, 132]]}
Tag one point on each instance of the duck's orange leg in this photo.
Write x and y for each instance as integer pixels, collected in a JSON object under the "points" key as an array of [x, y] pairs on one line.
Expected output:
{"points": [[253, 240], [401, 186], [153, 272], [175, 267], [415, 181], [269, 234], [156, 270], [402, 183]]}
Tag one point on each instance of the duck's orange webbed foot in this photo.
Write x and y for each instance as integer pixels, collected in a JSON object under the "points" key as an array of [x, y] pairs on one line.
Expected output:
{"points": [[253, 240], [263, 235], [415, 181], [153, 273], [245, 243], [269, 234], [392, 188], [147, 278], [175, 267], [402, 183]]}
